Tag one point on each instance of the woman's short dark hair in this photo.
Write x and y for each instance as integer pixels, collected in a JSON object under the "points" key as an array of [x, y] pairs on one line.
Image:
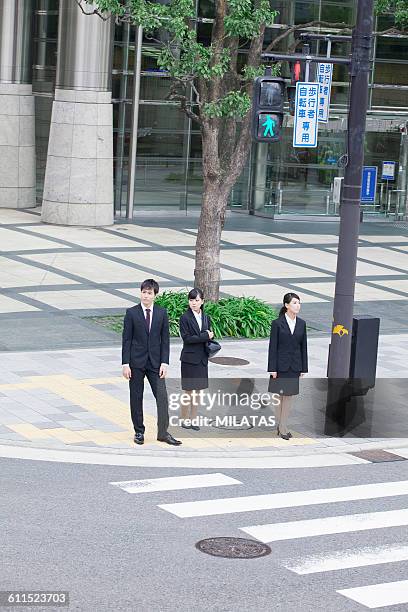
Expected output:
{"points": [[287, 298], [195, 293], [150, 283]]}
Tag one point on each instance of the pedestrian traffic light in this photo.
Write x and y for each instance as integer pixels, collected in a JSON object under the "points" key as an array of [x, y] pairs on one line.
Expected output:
{"points": [[297, 75], [267, 109]]}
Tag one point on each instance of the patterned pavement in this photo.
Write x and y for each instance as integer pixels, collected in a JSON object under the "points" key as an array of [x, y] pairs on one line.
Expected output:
{"points": [[78, 398], [51, 269]]}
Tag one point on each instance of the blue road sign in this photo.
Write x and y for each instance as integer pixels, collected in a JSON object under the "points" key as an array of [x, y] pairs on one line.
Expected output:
{"points": [[369, 184]]}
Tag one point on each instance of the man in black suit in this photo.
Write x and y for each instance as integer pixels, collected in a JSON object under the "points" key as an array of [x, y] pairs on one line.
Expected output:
{"points": [[145, 352]]}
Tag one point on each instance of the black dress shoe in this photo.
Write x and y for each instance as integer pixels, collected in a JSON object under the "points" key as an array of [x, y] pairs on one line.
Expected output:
{"points": [[195, 427], [286, 436], [139, 438], [186, 426], [168, 438]]}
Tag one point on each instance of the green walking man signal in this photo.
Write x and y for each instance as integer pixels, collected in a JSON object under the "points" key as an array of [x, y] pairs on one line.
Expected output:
{"points": [[269, 125], [267, 108]]}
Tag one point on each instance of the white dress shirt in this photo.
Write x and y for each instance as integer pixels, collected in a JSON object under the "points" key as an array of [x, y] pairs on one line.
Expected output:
{"points": [[198, 318], [291, 323]]}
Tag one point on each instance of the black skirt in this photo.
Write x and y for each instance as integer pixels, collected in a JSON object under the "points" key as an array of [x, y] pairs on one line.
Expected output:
{"points": [[286, 383], [194, 376]]}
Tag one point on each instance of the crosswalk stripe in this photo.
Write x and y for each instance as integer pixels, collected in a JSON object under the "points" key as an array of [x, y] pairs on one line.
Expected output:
{"points": [[274, 532], [290, 499], [172, 483], [379, 595], [345, 559]]}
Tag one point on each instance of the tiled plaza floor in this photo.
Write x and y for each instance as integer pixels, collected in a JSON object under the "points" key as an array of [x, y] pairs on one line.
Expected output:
{"points": [[47, 268]]}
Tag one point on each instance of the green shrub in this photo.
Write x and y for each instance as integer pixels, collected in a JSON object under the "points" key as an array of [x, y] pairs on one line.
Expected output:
{"points": [[237, 317]]}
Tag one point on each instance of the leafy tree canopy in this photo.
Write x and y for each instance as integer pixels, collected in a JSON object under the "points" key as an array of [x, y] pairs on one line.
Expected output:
{"points": [[187, 60]]}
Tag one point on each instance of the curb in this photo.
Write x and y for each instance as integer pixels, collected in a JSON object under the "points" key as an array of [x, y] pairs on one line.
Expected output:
{"points": [[179, 459]]}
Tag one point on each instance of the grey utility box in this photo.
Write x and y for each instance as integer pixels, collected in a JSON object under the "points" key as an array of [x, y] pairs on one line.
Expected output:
{"points": [[364, 350]]}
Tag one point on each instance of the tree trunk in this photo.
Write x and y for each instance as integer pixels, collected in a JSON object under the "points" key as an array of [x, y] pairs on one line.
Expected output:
{"points": [[207, 262]]}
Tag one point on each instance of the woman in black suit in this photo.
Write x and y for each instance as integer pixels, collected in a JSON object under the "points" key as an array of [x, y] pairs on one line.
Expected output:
{"points": [[287, 359], [195, 329]]}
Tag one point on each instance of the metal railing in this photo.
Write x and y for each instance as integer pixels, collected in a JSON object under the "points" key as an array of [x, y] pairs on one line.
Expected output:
{"points": [[395, 203]]}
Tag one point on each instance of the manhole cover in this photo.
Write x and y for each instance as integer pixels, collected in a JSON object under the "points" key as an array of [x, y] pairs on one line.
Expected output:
{"points": [[378, 456], [232, 361], [233, 548]]}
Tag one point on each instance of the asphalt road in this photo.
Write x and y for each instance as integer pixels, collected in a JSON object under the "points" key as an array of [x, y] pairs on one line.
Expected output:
{"points": [[65, 527]]}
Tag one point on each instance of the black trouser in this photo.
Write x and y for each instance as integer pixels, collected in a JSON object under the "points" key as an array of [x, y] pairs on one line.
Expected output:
{"points": [[158, 386]]}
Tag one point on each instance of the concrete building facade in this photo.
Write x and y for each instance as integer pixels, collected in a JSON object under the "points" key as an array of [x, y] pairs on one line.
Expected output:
{"points": [[108, 142]]}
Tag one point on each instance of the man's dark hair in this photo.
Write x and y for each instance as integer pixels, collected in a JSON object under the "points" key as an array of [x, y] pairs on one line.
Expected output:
{"points": [[150, 283]]}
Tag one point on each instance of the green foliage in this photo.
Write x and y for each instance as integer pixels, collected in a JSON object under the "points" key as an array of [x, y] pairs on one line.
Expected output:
{"points": [[250, 73], [237, 317], [242, 20], [176, 302], [195, 59], [398, 7], [184, 57], [244, 317], [233, 104]]}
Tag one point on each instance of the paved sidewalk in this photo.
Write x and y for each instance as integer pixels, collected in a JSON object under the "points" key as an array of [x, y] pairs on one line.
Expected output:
{"points": [[54, 393], [51, 277], [77, 398]]}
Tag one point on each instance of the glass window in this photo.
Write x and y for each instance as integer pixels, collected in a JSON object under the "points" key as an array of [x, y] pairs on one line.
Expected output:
{"points": [[154, 87], [386, 97], [381, 146], [392, 48], [391, 74], [338, 12], [306, 11], [206, 9]]}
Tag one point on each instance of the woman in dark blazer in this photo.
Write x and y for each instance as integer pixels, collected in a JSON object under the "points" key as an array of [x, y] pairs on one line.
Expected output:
{"points": [[287, 359], [195, 329]]}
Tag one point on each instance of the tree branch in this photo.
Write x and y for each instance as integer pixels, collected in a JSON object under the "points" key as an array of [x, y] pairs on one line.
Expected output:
{"points": [[302, 26], [94, 12], [392, 30], [185, 103]]}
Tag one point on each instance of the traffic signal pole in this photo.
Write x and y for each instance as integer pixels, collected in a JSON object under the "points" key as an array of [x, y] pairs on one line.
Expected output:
{"points": [[359, 66], [340, 348]]}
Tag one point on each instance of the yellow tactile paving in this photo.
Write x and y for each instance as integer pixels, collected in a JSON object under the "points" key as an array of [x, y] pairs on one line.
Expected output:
{"points": [[109, 380], [7, 386], [68, 436], [29, 431], [81, 392], [86, 396]]}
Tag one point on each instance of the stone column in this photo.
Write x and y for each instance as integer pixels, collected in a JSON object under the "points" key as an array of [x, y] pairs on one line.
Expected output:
{"points": [[17, 120], [78, 186]]}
